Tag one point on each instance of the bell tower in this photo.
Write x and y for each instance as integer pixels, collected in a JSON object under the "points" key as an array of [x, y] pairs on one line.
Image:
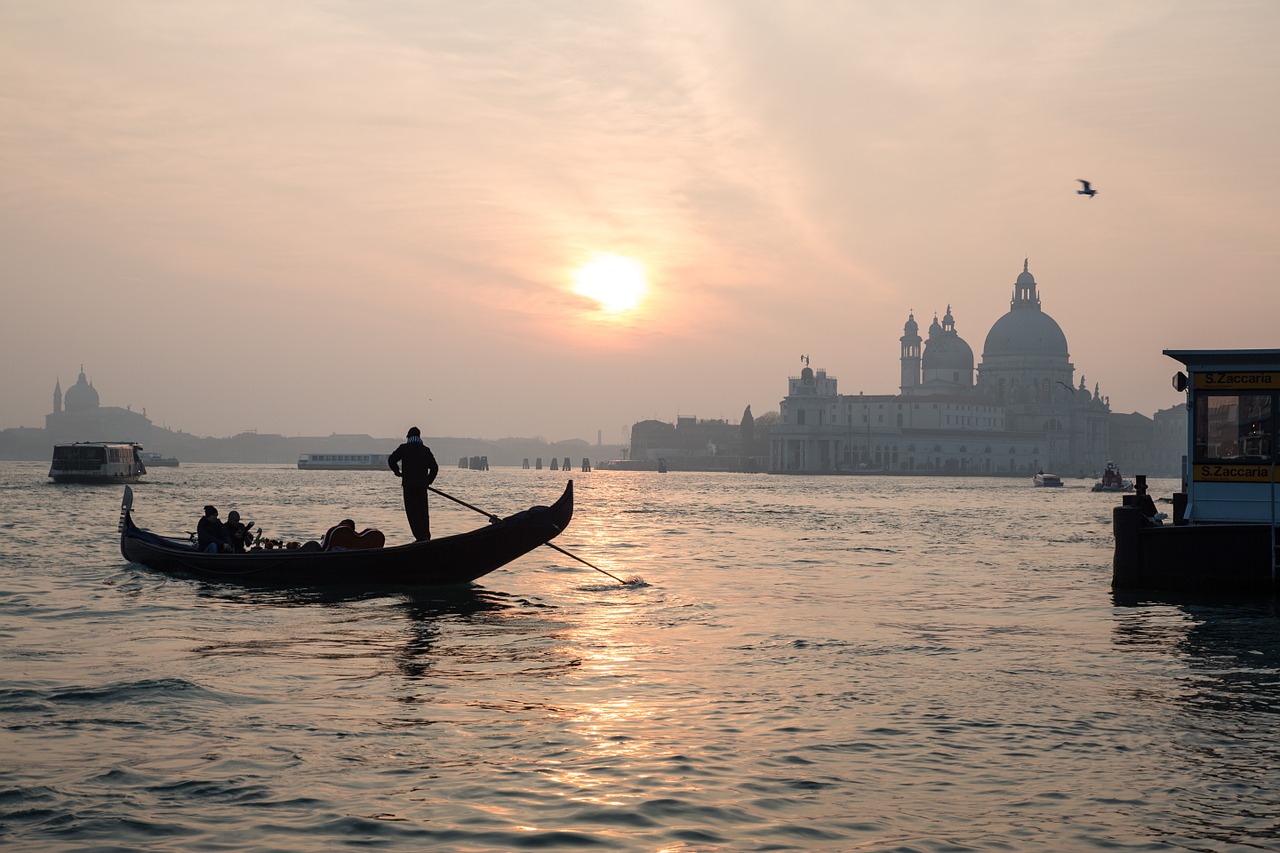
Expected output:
{"points": [[911, 344]]}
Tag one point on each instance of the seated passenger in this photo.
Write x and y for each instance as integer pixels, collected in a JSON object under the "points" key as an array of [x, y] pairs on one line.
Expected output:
{"points": [[238, 533], [211, 535]]}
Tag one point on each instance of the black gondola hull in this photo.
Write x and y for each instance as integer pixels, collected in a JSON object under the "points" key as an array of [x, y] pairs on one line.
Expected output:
{"points": [[449, 560]]}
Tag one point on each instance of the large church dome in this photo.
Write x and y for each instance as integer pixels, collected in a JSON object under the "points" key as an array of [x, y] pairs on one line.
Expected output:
{"points": [[1025, 330], [81, 396]]}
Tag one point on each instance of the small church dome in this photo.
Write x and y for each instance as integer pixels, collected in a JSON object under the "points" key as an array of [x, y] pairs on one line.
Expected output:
{"points": [[946, 353]]}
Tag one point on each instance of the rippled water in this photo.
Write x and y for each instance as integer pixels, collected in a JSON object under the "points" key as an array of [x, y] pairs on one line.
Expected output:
{"points": [[870, 663]]}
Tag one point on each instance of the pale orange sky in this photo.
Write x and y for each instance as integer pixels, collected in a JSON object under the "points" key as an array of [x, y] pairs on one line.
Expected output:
{"points": [[305, 217]]}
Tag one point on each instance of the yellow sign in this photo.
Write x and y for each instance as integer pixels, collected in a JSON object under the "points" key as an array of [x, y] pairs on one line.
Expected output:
{"points": [[1217, 472], [1236, 380]]}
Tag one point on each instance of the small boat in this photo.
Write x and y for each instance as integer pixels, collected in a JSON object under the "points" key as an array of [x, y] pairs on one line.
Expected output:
{"points": [[1043, 479], [159, 460], [97, 462], [343, 462], [449, 560], [1112, 481]]}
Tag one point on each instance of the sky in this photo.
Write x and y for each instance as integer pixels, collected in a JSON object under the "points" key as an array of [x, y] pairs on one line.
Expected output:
{"points": [[351, 217]]}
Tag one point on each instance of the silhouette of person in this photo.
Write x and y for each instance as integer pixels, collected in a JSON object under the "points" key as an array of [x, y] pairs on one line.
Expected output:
{"points": [[211, 535], [415, 465], [238, 533]]}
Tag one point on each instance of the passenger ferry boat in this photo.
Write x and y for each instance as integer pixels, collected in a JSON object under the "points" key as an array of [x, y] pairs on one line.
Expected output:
{"points": [[1223, 535], [159, 460], [97, 462], [343, 462], [1052, 481]]}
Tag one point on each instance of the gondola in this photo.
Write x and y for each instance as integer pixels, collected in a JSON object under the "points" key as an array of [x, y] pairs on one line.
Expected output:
{"points": [[449, 560]]}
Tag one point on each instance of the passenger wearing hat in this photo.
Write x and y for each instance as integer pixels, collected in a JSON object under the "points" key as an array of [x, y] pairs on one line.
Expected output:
{"points": [[415, 465], [211, 535]]}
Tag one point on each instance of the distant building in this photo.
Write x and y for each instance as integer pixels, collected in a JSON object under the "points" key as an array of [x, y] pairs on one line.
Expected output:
{"points": [[77, 416], [1022, 413], [1150, 445], [693, 444]]}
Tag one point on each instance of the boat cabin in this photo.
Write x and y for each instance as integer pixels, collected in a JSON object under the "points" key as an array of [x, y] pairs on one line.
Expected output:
{"points": [[97, 462], [1230, 469]]}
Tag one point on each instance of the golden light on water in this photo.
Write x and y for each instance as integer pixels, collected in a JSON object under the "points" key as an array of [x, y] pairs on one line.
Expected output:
{"points": [[616, 282]]}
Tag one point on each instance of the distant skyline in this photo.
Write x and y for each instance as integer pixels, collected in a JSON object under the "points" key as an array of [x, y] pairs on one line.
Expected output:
{"points": [[553, 219]]}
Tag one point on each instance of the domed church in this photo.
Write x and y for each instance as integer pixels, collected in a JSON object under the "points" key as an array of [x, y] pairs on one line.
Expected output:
{"points": [[1026, 367], [1021, 413], [77, 416], [946, 364]]}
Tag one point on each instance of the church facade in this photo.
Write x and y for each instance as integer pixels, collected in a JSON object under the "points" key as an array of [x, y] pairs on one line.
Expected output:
{"points": [[1018, 411]]}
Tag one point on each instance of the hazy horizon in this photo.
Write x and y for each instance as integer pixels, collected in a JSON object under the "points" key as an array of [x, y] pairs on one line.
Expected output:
{"points": [[304, 218]]}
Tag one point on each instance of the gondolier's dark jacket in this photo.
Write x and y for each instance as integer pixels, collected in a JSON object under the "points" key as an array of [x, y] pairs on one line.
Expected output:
{"points": [[416, 464]]}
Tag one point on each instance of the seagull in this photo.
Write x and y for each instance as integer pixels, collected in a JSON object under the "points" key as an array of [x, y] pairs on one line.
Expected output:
{"points": [[1088, 190]]}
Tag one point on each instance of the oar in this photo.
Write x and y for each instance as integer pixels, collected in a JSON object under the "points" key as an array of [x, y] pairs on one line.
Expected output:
{"points": [[495, 518]]}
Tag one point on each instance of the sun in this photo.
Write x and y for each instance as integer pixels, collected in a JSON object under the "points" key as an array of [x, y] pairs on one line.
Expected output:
{"points": [[617, 283]]}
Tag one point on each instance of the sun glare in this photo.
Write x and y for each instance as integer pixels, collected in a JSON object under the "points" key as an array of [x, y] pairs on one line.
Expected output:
{"points": [[617, 283]]}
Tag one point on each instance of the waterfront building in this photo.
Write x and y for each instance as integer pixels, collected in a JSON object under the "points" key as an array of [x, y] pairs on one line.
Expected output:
{"points": [[693, 444], [1023, 411]]}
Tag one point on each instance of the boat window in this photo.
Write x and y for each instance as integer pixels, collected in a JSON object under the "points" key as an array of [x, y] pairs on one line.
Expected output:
{"points": [[81, 453], [1239, 427]]}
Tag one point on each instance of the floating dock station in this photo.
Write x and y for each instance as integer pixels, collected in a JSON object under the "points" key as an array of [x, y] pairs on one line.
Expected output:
{"points": [[1222, 538]]}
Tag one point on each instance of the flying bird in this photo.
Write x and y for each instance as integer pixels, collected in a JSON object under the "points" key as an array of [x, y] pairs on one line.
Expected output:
{"points": [[1088, 190]]}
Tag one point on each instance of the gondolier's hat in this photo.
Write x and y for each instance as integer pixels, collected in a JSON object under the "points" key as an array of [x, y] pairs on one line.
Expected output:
{"points": [[413, 431]]}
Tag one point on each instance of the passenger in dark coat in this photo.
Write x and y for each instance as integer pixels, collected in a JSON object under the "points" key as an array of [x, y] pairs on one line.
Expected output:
{"points": [[211, 535], [415, 465], [238, 532]]}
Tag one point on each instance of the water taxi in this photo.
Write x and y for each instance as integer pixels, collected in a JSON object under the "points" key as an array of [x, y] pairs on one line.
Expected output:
{"points": [[343, 462], [1049, 480], [1112, 481], [1223, 532], [97, 462]]}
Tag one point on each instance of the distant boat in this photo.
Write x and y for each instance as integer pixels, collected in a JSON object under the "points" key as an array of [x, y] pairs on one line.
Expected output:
{"points": [[343, 462], [157, 460], [1043, 479], [1112, 481], [97, 462]]}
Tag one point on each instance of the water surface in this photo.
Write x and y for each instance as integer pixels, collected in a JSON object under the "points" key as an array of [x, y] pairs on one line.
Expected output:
{"points": [[856, 663]]}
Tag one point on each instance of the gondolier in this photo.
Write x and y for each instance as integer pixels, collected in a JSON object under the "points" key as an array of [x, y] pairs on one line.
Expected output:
{"points": [[415, 465]]}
